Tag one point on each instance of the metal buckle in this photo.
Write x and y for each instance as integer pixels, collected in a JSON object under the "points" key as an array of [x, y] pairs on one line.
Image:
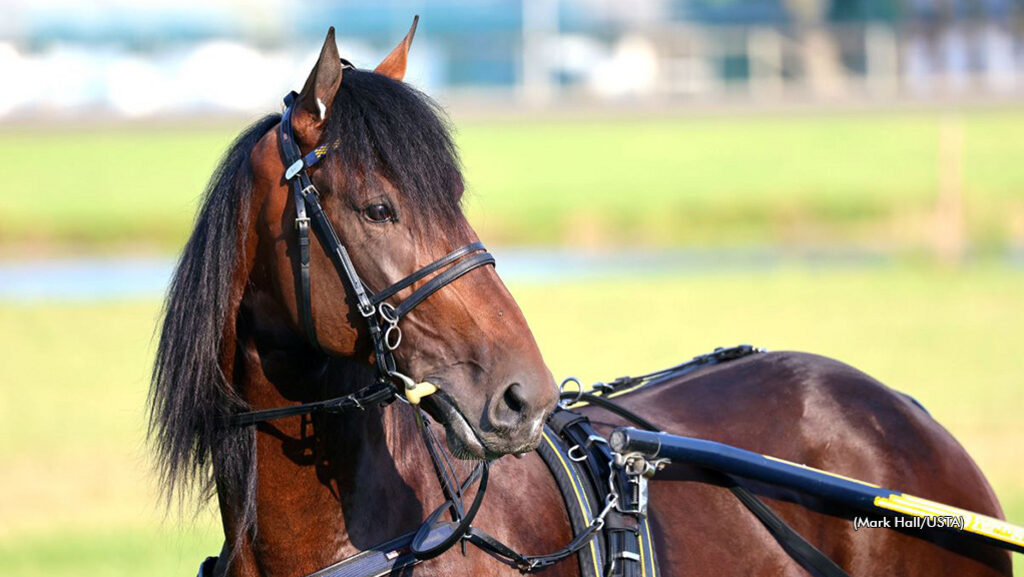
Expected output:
{"points": [[310, 187], [301, 221]]}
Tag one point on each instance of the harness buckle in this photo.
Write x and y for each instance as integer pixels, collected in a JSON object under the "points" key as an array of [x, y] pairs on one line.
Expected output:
{"points": [[301, 222], [309, 188]]}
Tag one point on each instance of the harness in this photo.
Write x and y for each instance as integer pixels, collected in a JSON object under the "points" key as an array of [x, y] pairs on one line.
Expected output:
{"points": [[573, 449], [639, 471]]}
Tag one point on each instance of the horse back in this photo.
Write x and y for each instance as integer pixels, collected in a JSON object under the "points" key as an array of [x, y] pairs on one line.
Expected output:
{"points": [[820, 412]]}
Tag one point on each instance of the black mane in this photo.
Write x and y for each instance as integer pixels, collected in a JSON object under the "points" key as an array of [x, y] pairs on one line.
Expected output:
{"points": [[382, 127], [188, 393]]}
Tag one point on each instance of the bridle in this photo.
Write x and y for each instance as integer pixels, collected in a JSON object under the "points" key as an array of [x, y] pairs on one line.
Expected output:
{"points": [[382, 319], [435, 535]]}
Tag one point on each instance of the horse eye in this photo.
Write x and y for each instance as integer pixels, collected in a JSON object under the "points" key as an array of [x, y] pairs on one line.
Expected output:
{"points": [[378, 213]]}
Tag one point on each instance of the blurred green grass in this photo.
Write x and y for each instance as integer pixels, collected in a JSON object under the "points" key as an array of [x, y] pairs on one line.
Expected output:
{"points": [[76, 497], [863, 177]]}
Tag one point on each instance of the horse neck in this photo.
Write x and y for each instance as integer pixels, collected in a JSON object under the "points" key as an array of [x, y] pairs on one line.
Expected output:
{"points": [[329, 486]]}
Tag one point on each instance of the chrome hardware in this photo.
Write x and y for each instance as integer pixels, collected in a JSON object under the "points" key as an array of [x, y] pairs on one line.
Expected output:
{"points": [[389, 316], [579, 391]]}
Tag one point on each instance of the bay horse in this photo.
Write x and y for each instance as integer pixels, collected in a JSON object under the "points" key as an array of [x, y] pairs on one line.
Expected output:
{"points": [[299, 493]]}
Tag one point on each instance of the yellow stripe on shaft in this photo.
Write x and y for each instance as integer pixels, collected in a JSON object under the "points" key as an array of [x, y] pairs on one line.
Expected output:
{"points": [[973, 522]]}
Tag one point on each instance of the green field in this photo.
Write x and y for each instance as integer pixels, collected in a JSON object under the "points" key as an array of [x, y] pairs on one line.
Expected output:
{"points": [[865, 178], [76, 498]]}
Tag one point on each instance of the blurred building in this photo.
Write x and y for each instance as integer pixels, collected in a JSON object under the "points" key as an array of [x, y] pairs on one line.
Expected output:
{"points": [[157, 57]]}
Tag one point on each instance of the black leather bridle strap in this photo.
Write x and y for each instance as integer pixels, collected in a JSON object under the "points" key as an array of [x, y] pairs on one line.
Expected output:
{"points": [[365, 397], [438, 282], [309, 212], [426, 271], [290, 151], [336, 251]]}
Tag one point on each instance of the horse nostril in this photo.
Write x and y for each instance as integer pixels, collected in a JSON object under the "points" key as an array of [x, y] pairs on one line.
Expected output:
{"points": [[509, 408], [514, 399]]}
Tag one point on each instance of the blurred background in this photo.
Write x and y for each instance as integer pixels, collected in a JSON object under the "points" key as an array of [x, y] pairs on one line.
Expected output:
{"points": [[657, 178]]}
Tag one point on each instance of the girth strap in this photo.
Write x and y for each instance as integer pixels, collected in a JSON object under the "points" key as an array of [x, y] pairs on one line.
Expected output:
{"points": [[801, 550], [622, 530]]}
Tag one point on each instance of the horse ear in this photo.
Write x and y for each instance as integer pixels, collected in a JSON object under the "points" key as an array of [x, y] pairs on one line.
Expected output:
{"points": [[318, 94], [393, 65]]}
